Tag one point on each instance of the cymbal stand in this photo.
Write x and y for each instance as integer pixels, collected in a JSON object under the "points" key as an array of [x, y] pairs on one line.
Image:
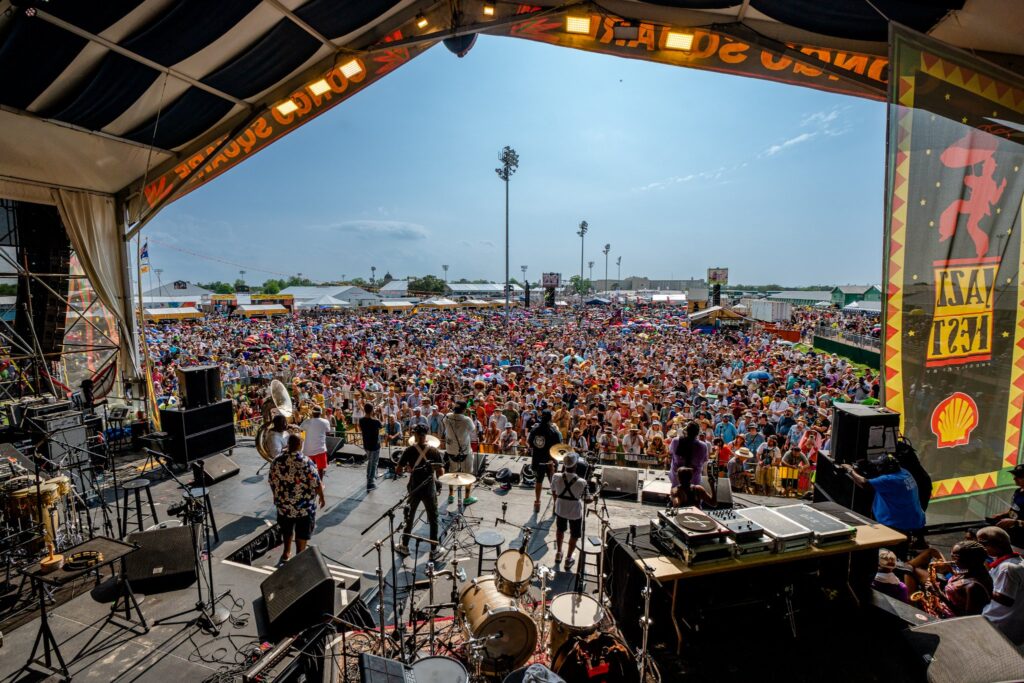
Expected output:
{"points": [[604, 518], [430, 596], [643, 656], [380, 595], [544, 573]]}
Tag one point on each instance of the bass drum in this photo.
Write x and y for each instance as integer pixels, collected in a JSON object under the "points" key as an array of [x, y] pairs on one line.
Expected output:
{"points": [[439, 670], [598, 658], [486, 611]]}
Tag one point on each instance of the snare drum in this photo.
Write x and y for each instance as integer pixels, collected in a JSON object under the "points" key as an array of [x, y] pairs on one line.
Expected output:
{"points": [[486, 611], [439, 670], [573, 616], [515, 571]]}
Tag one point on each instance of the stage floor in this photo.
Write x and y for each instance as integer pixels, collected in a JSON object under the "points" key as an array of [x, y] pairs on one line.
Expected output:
{"points": [[243, 508]]}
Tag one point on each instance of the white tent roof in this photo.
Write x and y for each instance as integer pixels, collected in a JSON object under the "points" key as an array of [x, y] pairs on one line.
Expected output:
{"points": [[325, 301], [261, 308], [396, 304]]}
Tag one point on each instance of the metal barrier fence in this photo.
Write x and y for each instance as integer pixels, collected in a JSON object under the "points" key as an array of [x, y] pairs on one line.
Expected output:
{"points": [[861, 340]]}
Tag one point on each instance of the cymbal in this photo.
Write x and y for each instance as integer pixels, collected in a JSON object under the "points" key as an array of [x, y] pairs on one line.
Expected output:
{"points": [[559, 451], [457, 479], [431, 440]]}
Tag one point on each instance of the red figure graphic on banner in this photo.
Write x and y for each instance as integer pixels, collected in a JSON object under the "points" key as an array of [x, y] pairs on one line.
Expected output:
{"points": [[972, 149]]}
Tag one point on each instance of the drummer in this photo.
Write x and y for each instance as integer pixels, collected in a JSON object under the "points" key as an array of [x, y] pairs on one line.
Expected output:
{"points": [[424, 463], [568, 488]]}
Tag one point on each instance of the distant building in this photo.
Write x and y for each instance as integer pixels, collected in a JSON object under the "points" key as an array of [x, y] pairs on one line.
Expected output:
{"points": [[847, 294], [635, 282], [179, 289], [357, 296], [801, 297], [395, 289], [489, 289]]}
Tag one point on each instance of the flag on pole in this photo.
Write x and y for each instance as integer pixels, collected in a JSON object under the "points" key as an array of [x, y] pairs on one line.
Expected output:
{"points": [[144, 258]]}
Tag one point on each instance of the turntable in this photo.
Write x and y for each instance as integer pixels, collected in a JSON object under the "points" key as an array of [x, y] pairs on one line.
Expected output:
{"points": [[698, 537]]}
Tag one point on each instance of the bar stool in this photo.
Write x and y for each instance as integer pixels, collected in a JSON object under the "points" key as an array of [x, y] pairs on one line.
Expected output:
{"points": [[488, 540], [204, 493], [589, 554], [136, 486]]}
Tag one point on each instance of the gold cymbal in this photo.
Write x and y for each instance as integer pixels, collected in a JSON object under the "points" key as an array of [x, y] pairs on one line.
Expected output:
{"points": [[431, 440], [559, 451], [457, 479]]}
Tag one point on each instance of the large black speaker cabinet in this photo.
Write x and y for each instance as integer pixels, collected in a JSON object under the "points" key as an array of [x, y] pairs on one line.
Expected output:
{"points": [[43, 248], [965, 650], [299, 593], [862, 432], [215, 468], [199, 385], [832, 484], [198, 432], [164, 561]]}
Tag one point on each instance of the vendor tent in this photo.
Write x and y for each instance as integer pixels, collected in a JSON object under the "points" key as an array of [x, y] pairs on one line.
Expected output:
{"points": [[866, 307], [258, 310], [182, 313], [325, 301], [439, 302], [395, 305], [597, 301]]}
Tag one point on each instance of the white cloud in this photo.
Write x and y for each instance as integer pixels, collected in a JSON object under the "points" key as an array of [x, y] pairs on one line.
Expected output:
{"points": [[398, 230], [820, 118], [775, 149]]}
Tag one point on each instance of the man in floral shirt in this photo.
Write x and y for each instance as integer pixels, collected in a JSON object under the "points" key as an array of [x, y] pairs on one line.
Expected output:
{"points": [[296, 487]]}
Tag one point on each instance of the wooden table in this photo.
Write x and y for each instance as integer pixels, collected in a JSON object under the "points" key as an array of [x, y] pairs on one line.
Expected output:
{"points": [[670, 570]]}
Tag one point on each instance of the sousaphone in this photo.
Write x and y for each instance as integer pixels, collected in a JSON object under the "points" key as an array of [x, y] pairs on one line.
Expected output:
{"points": [[278, 403]]}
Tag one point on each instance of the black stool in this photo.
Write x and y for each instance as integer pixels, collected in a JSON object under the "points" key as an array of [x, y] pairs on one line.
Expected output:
{"points": [[136, 486], [488, 540], [204, 493], [588, 556]]}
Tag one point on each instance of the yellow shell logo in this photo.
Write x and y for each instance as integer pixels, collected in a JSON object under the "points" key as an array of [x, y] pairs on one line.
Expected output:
{"points": [[954, 419]]}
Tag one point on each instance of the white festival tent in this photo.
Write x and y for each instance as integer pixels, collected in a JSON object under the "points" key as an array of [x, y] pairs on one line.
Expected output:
{"points": [[325, 301]]}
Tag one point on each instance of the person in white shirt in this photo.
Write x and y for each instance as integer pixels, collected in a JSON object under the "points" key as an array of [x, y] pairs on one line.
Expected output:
{"points": [[457, 432], [568, 488], [314, 446], [1006, 609]]}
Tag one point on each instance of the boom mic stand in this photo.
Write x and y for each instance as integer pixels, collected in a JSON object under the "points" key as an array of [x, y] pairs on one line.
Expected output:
{"points": [[211, 613]]}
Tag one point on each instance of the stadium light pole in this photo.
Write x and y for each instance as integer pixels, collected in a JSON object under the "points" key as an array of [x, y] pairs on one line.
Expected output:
{"points": [[590, 265], [618, 273], [373, 274], [607, 248], [582, 232], [509, 163], [444, 267]]}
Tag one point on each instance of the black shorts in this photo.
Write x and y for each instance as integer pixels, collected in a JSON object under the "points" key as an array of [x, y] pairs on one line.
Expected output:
{"points": [[575, 526], [541, 467], [300, 527]]}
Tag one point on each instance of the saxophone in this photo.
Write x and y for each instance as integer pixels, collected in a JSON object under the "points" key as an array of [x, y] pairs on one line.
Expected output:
{"points": [[928, 599]]}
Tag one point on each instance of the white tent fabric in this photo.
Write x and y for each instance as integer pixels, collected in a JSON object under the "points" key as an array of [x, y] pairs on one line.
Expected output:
{"points": [[325, 301], [95, 233]]}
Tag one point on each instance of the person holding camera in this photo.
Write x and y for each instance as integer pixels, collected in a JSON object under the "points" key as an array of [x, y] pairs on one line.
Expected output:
{"points": [[296, 486]]}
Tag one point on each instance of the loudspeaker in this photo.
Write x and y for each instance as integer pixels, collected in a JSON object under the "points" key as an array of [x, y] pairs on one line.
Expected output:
{"points": [[217, 467], [199, 385], [862, 432], [832, 484], [164, 561], [965, 650], [298, 594], [620, 480], [197, 432]]}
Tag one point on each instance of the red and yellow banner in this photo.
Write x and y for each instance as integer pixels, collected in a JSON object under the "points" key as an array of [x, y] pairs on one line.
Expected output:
{"points": [[954, 313]]}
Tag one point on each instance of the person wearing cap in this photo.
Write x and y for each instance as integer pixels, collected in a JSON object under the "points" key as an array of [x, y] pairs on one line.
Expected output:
{"points": [[896, 503], [568, 488], [457, 438], [314, 446], [886, 581], [424, 463], [541, 439], [1006, 611], [1012, 520]]}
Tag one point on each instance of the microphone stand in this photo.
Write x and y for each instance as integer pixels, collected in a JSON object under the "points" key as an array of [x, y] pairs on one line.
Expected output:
{"points": [[211, 613], [390, 514]]}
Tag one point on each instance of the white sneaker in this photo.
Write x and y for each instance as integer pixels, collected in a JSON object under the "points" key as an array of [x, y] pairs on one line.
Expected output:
{"points": [[401, 549]]}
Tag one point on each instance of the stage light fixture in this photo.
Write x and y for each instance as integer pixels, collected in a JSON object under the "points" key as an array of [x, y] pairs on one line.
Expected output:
{"points": [[351, 68], [626, 32], [421, 21], [488, 9], [679, 41], [319, 87], [287, 107], [577, 25]]}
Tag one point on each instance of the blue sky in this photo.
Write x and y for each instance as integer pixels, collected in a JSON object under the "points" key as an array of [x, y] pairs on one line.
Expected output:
{"points": [[677, 169]]}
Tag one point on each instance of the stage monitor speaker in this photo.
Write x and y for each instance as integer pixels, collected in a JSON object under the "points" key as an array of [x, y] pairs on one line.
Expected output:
{"points": [[199, 385], [217, 467], [164, 561], [862, 432], [620, 481], [965, 650], [198, 432], [299, 593]]}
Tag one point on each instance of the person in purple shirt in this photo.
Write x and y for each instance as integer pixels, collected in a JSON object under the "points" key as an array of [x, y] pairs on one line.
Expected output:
{"points": [[687, 451]]}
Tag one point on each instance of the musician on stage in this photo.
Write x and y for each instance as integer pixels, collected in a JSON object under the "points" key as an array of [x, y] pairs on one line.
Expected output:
{"points": [[542, 437], [424, 463], [314, 446], [296, 487], [457, 432], [568, 488]]}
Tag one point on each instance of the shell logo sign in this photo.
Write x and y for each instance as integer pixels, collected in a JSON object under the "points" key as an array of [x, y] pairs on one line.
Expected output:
{"points": [[954, 419]]}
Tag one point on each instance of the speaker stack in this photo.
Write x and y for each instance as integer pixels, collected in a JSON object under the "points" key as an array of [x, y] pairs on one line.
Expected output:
{"points": [[862, 432], [199, 385], [198, 432]]}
